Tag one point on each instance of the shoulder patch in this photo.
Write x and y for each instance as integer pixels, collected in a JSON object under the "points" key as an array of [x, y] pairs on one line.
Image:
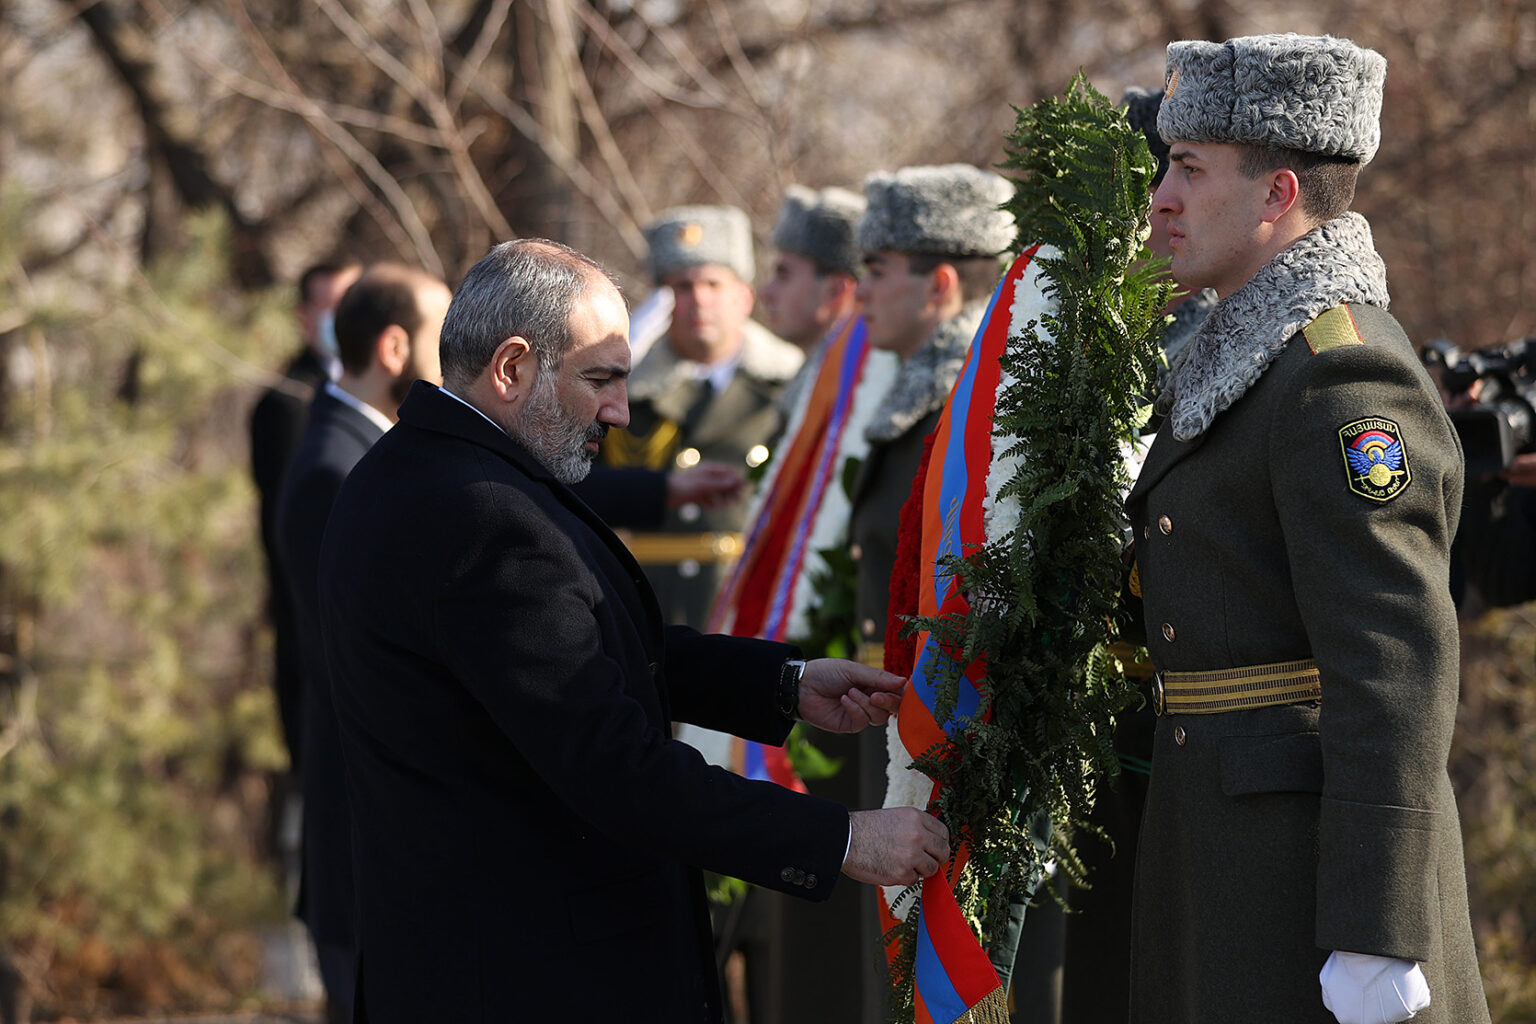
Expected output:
{"points": [[1334, 329], [1375, 461]]}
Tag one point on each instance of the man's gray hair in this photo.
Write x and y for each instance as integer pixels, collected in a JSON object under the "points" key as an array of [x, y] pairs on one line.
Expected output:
{"points": [[527, 289]]}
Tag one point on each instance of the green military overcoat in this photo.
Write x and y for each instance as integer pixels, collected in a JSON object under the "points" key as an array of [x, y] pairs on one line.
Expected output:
{"points": [[1275, 835], [677, 420]]}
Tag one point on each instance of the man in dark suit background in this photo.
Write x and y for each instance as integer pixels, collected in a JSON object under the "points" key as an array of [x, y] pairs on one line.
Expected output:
{"points": [[387, 329], [529, 837], [276, 423]]}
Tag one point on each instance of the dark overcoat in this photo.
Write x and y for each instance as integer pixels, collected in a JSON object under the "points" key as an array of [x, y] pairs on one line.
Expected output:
{"points": [[1275, 835], [336, 437], [277, 421], [529, 837]]}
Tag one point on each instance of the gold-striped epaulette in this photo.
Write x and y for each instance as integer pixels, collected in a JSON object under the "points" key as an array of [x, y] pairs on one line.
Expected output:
{"points": [[1335, 328]]}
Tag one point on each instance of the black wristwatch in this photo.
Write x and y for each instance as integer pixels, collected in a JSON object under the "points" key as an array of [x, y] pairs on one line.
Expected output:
{"points": [[787, 697]]}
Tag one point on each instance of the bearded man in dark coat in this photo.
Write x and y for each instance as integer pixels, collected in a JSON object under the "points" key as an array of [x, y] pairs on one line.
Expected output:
{"points": [[528, 837]]}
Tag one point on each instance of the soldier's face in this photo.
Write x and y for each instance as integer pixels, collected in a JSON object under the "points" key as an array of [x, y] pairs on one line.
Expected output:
{"points": [[1215, 216], [710, 305], [900, 309], [798, 304]]}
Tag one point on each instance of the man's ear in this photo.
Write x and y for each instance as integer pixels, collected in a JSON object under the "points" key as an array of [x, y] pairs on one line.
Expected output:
{"points": [[943, 284], [392, 349], [1284, 193], [513, 368]]}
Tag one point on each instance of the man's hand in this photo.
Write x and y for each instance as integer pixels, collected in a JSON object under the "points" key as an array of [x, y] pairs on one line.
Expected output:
{"points": [[845, 696], [896, 846], [706, 484]]}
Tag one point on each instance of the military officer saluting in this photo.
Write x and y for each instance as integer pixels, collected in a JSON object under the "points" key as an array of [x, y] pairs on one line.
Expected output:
{"points": [[707, 392], [1293, 525]]}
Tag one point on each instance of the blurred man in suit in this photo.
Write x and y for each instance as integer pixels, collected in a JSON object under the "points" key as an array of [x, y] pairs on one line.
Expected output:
{"points": [[276, 423], [387, 329], [529, 835]]}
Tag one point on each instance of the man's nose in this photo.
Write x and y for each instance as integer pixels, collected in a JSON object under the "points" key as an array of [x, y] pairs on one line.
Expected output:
{"points": [[616, 412], [1162, 199]]}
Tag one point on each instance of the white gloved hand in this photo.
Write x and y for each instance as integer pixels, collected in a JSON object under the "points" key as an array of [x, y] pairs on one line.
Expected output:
{"points": [[1364, 989]]}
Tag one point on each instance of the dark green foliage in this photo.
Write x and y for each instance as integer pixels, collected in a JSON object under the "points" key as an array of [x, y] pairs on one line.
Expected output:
{"points": [[1044, 597]]}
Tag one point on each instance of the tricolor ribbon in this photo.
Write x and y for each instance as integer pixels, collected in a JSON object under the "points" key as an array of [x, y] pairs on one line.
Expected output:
{"points": [[758, 595], [954, 980]]}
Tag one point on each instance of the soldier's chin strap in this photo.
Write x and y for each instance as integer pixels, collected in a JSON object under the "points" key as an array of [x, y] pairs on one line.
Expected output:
{"points": [[1363, 989]]}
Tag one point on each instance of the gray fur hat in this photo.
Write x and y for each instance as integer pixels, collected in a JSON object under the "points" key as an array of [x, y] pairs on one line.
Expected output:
{"points": [[820, 226], [1141, 107], [952, 210], [692, 236], [1316, 94]]}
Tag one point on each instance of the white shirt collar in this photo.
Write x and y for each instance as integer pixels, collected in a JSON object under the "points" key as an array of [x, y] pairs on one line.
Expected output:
{"points": [[718, 374], [461, 401], [346, 397]]}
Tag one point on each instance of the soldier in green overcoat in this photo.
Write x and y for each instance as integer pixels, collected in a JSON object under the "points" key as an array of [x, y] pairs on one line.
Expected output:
{"points": [[1301, 856], [707, 392]]}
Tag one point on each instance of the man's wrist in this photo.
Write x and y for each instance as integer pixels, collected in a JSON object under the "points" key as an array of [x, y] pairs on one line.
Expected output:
{"points": [[787, 694]]}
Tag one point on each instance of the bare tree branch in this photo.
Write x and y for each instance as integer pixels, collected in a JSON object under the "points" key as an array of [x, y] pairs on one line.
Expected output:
{"points": [[469, 67], [437, 110], [405, 229], [600, 197]]}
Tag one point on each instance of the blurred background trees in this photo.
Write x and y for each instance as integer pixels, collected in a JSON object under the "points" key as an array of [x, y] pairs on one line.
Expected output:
{"points": [[168, 166]]}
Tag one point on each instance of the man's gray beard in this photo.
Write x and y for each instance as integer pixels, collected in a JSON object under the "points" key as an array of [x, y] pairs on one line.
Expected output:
{"points": [[552, 437]]}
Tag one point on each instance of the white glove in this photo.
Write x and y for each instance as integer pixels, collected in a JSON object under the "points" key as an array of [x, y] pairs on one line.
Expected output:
{"points": [[1364, 989]]}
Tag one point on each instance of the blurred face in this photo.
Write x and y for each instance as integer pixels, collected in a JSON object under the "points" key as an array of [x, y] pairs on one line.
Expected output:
{"points": [[710, 305], [899, 308], [325, 291], [1213, 217], [571, 408], [423, 363], [798, 305]]}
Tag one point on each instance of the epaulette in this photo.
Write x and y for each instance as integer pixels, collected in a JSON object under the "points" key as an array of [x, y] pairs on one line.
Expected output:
{"points": [[1335, 328]]}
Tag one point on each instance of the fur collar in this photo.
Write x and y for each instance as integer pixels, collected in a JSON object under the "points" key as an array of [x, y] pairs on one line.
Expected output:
{"points": [[1246, 331], [765, 358], [924, 381]]}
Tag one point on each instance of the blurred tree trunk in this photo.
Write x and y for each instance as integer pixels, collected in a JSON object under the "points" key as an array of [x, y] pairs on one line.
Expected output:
{"points": [[179, 173]]}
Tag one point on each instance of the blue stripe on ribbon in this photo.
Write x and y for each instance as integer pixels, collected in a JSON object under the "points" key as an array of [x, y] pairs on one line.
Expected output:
{"points": [[753, 765], [847, 381], [943, 1002]]}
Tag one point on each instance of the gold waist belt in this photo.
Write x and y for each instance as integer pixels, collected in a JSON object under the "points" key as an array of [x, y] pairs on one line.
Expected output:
{"points": [[676, 548], [1233, 689]]}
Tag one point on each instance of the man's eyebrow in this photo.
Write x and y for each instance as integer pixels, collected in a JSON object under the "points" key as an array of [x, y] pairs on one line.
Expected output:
{"points": [[1180, 155], [614, 370]]}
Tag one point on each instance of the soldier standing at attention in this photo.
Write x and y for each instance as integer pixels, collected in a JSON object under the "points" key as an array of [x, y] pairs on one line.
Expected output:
{"points": [[1293, 524], [932, 239], [708, 392]]}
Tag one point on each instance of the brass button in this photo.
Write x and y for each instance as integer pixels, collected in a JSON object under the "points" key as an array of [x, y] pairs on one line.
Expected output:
{"points": [[1168, 631], [1165, 524], [1179, 735], [799, 877], [787, 875], [810, 881]]}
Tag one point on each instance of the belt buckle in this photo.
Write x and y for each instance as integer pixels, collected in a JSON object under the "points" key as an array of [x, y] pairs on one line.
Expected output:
{"points": [[1159, 695]]}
